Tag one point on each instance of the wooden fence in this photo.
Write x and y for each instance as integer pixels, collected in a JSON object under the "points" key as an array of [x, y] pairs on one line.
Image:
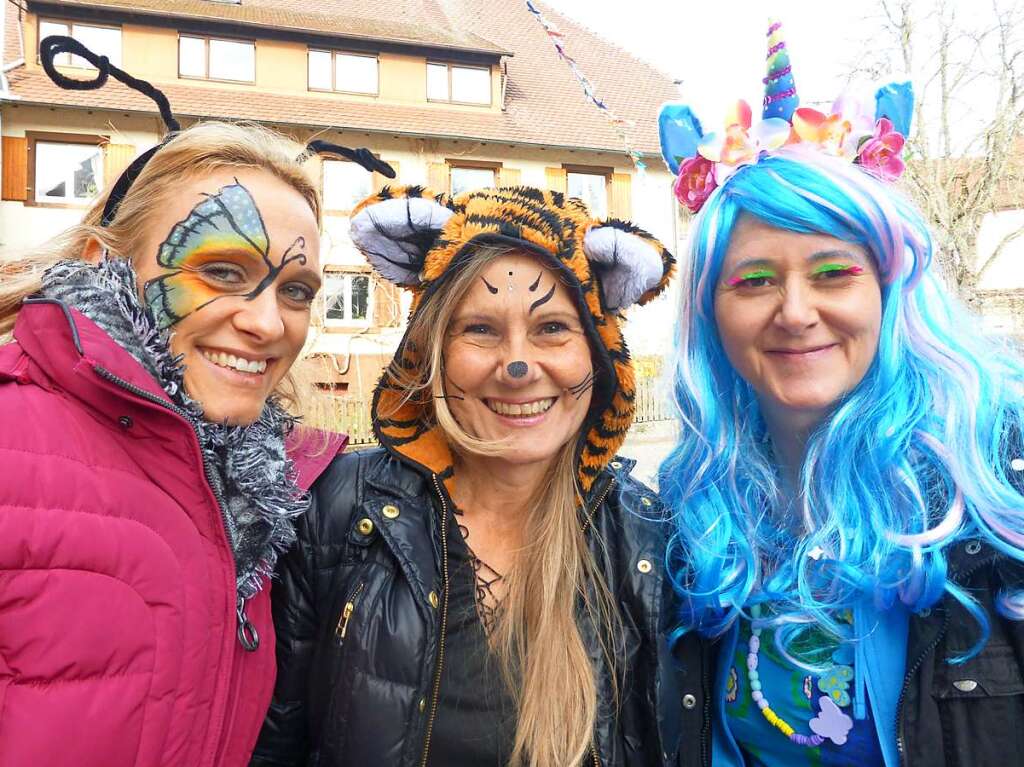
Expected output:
{"points": [[353, 415]]}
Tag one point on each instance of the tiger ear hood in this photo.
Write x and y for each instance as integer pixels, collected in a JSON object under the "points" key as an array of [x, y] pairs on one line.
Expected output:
{"points": [[416, 239]]}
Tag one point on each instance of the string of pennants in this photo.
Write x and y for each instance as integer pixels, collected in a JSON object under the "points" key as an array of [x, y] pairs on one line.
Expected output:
{"points": [[618, 123]]}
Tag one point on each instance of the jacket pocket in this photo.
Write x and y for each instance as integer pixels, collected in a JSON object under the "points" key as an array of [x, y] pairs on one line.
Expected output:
{"points": [[981, 708]]}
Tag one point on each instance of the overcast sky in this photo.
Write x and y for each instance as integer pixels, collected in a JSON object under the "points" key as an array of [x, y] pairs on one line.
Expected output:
{"points": [[718, 48]]}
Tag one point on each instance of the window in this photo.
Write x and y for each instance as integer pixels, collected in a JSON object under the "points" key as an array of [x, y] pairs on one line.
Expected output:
{"points": [[461, 85], [65, 172], [590, 187], [347, 72], [347, 299], [215, 59], [103, 41], [464, 178], [345, 185]]}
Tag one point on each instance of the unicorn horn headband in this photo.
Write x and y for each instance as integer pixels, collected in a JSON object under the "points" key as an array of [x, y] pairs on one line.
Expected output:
{"points": [[870, 135]]}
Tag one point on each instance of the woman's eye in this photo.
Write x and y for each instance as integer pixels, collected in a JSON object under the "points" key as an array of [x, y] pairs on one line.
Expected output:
{"points": [[478, 328], [836, 271], [225, 273], [551, 328], [296, 291], [758, 279]]}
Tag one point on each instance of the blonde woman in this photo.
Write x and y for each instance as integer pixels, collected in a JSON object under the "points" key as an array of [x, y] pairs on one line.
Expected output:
{"points": [[146, 490], [486, 587]]}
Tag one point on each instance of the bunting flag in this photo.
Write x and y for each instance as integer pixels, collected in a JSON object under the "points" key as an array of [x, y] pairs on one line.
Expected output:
{"points": [[619, 124]]}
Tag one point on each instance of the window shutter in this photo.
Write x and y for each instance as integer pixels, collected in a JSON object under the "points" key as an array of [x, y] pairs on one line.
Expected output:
{"points": [[379, 181], [558, 179], [510, 177], [116, 157], [621, 197], [437, 176], [15, 166]]}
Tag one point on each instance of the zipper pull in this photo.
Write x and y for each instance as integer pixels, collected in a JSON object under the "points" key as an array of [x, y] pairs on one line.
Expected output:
{"points": [[247, 634], [346, 613]]}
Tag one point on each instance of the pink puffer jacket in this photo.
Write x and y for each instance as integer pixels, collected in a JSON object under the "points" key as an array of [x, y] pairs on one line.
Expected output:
{"points": [[118, 641]]}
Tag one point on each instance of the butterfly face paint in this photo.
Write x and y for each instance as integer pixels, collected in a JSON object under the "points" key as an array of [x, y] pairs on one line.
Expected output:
{"points": [[518, 366], [231, 265], [226, 226]]}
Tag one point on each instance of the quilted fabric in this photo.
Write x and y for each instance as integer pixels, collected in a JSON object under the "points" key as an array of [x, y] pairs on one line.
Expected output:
{"points": [[117, 587]]}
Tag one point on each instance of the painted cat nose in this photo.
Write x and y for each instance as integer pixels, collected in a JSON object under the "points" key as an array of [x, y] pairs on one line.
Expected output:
{"points": [[517, 369]]}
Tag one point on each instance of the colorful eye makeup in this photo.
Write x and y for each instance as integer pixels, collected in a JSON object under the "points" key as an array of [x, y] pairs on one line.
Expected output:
{"points": [[226, 222], [758, 274], [838, 269]]}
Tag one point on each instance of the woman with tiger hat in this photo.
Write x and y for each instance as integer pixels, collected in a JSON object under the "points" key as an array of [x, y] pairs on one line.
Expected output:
{"points": [[486, 587]]}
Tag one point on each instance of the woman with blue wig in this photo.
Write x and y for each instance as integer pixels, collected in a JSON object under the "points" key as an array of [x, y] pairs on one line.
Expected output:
{"points": [[848, 479]]}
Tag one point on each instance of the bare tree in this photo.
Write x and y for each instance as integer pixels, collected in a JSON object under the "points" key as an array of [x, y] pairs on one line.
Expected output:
{"points": [[964, 154]]}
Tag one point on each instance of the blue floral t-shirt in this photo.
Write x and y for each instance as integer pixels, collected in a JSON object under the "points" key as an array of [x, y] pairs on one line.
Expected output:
{"points": [[796, 695]]}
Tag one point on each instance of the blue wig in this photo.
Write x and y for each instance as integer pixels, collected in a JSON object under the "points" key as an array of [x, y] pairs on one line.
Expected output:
{"points": [[910, 461]]}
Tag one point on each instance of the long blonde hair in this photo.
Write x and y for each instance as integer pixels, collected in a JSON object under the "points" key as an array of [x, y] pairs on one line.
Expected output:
{"points": [[198, 150], [538, 642]]}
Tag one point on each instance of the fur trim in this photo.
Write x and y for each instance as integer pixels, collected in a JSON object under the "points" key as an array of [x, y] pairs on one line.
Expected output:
{"points": [[252, 475]]}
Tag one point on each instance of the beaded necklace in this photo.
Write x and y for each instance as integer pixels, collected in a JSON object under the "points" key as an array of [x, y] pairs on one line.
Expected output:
{"points": [[831, 723]]}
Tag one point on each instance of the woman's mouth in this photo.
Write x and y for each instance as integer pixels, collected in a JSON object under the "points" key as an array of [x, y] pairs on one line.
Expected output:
{"points": [[232, 362], [520, 409]]}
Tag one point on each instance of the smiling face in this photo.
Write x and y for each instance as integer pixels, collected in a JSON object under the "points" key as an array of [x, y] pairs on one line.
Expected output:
{"points": [[798, 315], [517, 363], [231, 266]]}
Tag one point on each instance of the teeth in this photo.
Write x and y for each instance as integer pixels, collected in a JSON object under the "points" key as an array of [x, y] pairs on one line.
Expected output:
{"points": [[237, 363], [529, 408]]}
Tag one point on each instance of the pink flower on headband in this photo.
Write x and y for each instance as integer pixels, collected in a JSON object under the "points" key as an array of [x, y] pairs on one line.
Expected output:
{"points": [[695, 183], [881, 152]]}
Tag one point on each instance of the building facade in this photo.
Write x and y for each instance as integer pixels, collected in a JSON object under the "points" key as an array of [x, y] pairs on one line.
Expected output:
{"points": [[454, 94]]}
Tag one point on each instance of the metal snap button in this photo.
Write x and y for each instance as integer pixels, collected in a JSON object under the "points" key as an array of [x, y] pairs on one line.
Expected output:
{"points": [[1017, 464], [616, 464], [973, 547], [423, 704], [389, 511], [364, 526], [925, 612], [689, 701], [434, 601], [965, 685], [125, 421], [645, 501], [644, 565]]}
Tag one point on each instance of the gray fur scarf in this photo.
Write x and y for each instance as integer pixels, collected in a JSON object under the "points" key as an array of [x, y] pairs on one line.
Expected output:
{"points": [[248, 469]]}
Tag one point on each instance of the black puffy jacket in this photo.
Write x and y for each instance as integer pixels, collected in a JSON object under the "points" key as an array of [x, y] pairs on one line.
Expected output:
{"points": [[360, 605]]}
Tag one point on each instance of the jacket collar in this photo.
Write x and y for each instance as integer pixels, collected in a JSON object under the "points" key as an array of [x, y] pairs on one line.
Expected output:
{"points": [[66, 347]]}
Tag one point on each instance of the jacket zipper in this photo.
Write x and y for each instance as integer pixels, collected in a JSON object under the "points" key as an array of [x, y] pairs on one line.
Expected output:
{"points": [[900, 748], [346, 612], [586, 526], [435, 696], [705, 729], [246, 631]]}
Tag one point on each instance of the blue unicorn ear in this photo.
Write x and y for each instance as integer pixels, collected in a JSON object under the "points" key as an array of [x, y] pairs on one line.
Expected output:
{"points": [[895, 102], [680, 133]]}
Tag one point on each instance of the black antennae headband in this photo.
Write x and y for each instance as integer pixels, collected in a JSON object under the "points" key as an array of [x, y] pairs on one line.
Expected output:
{"points": [[54, 45]]}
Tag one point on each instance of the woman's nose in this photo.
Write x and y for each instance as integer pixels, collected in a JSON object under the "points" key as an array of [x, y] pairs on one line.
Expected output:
{"points": [[797, 309], [260, 316]]}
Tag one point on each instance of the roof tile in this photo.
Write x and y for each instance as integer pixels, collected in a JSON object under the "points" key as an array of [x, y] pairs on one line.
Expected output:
{"points": [[545, 104]]}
